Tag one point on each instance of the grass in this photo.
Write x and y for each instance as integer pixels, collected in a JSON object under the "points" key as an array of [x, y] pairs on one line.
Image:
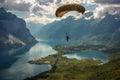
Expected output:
{"points": [[73, 69]]}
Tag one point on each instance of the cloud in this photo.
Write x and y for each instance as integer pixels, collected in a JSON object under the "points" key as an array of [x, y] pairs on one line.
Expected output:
{"points": [[2, 1], [42, 20], [46, 5], [108, 1], [106, 7], [88, 15], [42, 8], [19, 5]]}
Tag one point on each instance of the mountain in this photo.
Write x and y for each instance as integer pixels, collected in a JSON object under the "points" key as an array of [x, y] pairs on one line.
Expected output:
{"points": [[34, 27], [108, 29], [85, 30], [13, 31]]}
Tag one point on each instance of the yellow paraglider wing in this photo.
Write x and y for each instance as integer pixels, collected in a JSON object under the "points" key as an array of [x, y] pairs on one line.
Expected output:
{"points": [[69, 7]]}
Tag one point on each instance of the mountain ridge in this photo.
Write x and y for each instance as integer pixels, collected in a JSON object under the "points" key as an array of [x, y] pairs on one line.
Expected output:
{"points": [[13, 31], [89, 31]]}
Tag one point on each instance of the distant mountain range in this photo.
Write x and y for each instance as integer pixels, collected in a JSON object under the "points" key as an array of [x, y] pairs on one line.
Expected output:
{"points": [[34, 27], [13, 31], [89, 31]]}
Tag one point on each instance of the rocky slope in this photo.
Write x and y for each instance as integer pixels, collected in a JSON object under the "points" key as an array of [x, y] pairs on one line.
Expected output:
{"points": [[13, 31]]}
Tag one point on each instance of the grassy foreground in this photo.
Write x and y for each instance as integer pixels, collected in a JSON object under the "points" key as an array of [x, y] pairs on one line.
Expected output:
{"points": [[73, 69]]}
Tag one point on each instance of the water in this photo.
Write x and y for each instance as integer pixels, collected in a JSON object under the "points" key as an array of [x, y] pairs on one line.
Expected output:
{"points": [[21, 69], [95, 55]]}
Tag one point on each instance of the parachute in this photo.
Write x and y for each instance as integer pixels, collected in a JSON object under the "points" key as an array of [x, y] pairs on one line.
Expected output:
{"points": [[69, 7]]}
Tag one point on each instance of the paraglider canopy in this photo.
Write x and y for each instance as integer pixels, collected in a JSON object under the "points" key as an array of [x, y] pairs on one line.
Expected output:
{"points": [[69, 7]]}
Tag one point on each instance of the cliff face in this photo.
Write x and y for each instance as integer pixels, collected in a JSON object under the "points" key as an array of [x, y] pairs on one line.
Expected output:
{"points": [[13, 31]]}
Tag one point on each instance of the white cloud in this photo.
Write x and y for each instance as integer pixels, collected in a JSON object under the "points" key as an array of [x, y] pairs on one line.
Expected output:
{"points": [[106, 7], [49, 9], [41, 8], [30, 1], [45, 5], [108, 1], [19, 5], [99, 12], [42, 20], [77, 1], [103, 9]]}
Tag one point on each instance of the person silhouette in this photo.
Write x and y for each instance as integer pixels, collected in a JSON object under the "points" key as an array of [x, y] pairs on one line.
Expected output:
{"points": [[67, 37]]}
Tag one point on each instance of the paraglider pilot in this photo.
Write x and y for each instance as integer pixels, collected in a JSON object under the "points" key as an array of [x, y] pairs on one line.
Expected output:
{"points": [[60, 11], [67, 37]]}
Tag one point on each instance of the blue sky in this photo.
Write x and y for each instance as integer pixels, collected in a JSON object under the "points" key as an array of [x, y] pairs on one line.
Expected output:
{"points": [[43, 11]]}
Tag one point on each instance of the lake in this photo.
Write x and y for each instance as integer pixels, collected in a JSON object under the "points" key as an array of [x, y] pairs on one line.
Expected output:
{"points": [[95, 55], [20, 69]]}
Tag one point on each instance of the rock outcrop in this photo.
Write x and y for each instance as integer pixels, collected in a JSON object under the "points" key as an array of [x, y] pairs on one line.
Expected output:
{"points": [[13, 31]]}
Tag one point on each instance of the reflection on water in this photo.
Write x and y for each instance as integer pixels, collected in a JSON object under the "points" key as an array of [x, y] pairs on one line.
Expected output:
{"points": [[95, 55], [53, 43], [21, 69]]}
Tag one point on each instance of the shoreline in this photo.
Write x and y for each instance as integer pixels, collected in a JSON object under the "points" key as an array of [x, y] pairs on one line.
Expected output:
{"points": [[57, 61]]}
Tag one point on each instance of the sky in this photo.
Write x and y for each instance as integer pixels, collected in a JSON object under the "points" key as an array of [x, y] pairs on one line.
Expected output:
{"points": [[43, 11]]}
